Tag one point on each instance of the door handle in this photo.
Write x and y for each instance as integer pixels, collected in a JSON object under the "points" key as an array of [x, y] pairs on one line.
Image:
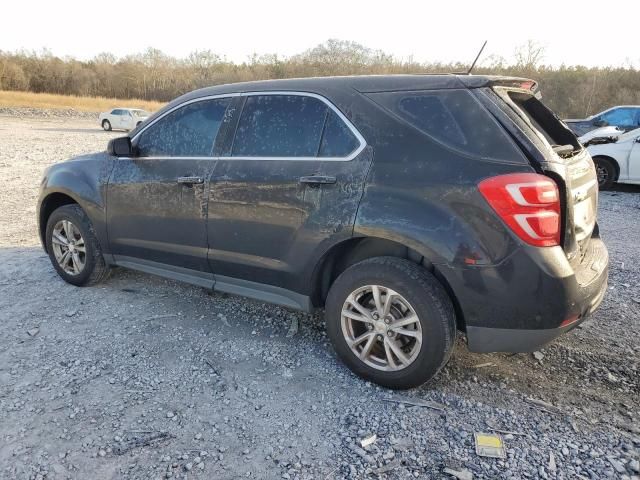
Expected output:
{"points": [[318, 179], [190, 180]]}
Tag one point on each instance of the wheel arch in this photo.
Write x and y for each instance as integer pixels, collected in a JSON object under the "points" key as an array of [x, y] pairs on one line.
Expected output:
{"points": [[48, 205], [356, 249]]}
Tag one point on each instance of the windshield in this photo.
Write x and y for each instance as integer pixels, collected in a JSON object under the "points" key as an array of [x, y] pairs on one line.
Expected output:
{"points": [[140, 113]]}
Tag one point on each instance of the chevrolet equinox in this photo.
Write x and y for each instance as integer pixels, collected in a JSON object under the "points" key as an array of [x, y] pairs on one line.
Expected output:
{"points": [[409, 207]]}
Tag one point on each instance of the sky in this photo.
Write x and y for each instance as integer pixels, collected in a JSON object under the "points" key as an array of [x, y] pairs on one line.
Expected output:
{"points": [[571, 32]]}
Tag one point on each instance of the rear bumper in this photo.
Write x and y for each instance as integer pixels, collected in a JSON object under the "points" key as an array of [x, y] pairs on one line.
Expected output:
{"points": [[485, 340], [530, 299]]}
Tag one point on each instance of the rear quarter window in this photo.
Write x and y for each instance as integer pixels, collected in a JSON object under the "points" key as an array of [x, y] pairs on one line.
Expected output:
{"points": [[454, 118]]}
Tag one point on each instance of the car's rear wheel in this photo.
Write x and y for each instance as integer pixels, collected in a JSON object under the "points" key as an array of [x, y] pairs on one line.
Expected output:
{"points": [[106, 125], [606, 171], [73, 248], [391, 322]]}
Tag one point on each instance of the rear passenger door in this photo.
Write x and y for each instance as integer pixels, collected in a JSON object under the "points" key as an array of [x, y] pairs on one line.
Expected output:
{"points": [[289, 179]]}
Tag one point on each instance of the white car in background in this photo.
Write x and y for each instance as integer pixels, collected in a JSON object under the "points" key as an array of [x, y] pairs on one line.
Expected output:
{"points": [[617, 159], [122, 118]]}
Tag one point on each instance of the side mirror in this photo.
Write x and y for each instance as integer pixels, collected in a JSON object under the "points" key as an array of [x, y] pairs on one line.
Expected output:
{"points": [[119, 147], [598, 122]]}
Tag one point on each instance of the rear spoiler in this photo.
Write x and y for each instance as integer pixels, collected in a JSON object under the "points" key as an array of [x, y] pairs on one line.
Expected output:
{"points": [[525, 85]]}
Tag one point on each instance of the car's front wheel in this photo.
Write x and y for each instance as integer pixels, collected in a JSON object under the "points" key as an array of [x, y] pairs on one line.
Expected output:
{"points": [[106, 125], [391, 322], [73, 248]]}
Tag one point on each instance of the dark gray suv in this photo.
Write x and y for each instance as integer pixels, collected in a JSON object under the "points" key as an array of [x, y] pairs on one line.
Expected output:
{"points": [[409, 207]]}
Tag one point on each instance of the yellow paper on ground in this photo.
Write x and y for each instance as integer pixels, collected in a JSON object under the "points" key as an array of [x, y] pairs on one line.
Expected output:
{"points": [[489, 445]]}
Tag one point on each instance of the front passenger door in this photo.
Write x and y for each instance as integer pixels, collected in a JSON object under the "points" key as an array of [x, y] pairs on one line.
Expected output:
{"points": [[157, 200], [634, 161]]}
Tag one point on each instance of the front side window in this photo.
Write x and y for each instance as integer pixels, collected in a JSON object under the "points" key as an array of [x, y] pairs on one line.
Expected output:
{"points": [[280, 126], [189, 131], [620, 117]]}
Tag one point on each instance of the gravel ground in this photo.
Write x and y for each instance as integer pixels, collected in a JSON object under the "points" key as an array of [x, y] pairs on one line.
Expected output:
{"points": [[142, 377]]}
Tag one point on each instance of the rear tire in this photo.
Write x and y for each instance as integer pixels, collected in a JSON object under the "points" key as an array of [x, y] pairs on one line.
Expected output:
{"points": [[106, 125], [73, 248], [411, 292], [606, 172]]}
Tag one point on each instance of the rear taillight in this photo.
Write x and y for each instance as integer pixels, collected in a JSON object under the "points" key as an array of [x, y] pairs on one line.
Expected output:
{"points": [[528, 203]]}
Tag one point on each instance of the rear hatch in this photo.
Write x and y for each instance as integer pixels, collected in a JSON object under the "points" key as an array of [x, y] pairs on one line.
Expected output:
{"points": [[554, 151]]}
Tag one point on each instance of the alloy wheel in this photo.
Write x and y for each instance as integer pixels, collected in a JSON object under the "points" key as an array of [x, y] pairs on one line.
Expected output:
{"points": [[602, 174], [381, 328], [68, 247]]}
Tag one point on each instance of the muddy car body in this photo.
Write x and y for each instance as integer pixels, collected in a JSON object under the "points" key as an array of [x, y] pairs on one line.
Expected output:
{"points": [[377, 198]]}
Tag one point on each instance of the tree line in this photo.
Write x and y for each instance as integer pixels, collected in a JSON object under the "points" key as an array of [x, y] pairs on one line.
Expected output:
{"points": [[572, 91]]}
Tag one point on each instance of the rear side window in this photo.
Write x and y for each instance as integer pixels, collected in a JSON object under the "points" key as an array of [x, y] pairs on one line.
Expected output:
{"points": [[189, 131], [280, 126], [337, 139], [454, 118]]}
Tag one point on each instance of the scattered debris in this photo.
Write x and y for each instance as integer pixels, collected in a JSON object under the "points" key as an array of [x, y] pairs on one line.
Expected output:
{"points": [[331, 473], [387, 468], [493, 426], [224, 320], [138, 442], [160, 317], [612, 378], [538, 356], [365, 442], [487, 364], [459, 474], [211, 366], [71, 313], [617, 465], [417, 403], [542, 405], [32, 332], [489, 445], [362, 454], [294, 327]]}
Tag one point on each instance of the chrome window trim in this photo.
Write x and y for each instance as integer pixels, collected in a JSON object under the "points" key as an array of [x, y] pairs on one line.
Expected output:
{"points": [[184, 104], [325, 100]]}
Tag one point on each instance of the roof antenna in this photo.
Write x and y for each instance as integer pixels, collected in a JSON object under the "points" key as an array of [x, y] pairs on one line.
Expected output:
{"points": [[477, 57]]}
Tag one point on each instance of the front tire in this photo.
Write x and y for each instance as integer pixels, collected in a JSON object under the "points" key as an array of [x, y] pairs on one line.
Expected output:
{"points": [[73, 248], [106, 125], [391, 322], [606, 171]]}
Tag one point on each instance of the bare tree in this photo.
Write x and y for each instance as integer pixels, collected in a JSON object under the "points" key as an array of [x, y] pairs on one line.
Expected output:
{"points": [[530, 55]]}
